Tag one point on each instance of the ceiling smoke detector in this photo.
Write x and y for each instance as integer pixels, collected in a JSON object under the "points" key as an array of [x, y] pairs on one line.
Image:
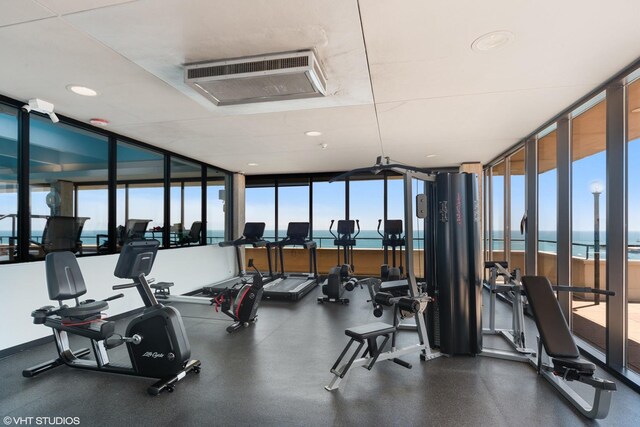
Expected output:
{"points": [[275, 77]]}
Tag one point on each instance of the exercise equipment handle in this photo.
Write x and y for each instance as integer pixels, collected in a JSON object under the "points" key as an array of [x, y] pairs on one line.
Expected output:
{"points": [[111, 298], [330, 227], [358, 226], [379, 223], [125, 286], [564, 288]]}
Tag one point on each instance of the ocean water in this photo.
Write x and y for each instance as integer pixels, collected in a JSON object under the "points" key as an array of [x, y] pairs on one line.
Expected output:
{"points": [[582, 242]]}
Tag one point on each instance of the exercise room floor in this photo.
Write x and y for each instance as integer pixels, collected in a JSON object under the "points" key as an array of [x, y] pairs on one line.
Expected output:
{"points": [[273, 373]]}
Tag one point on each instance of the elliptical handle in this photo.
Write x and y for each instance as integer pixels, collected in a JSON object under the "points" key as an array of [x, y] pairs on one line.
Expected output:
{"points": [[380, 223], [358, 226], [330, 227]]}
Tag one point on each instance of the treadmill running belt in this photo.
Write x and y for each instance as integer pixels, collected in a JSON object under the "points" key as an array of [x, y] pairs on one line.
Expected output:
{"points": [[291, 288]]}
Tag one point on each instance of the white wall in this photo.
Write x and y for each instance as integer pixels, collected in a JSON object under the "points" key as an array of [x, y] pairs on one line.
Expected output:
{"points": [[23, 287]]}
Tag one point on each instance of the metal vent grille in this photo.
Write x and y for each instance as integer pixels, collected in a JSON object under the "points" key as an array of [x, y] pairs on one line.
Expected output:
{"points": [[249, 67], [273, 77]]}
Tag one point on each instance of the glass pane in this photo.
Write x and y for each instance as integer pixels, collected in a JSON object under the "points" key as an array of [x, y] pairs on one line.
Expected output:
{"points": [[140, 193], [547, 208], [588, 151], [216, 206], [293, 206], [497, 212], [8, 182], [328, 204], [366, 203], [633, 238], [517, 190], [186, 202], [64, 162], [260, 206]]}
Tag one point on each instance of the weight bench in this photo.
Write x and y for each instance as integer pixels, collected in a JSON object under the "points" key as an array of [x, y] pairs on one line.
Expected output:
{"points": [[558, 345], [372, 353]]}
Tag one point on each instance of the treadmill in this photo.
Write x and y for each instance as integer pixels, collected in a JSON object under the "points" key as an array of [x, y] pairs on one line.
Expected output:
{"points": [[251, 235], [293, 286]]}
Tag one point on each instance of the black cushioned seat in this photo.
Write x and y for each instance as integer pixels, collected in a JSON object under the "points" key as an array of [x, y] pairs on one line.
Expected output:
{"points": [[582, 366], [84, 310], [361, 333], [98, 330]]}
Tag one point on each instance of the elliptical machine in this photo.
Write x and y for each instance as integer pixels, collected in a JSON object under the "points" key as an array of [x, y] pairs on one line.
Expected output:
{"points": [[156, 339], [392, 238], [340, 277], [245, 305]]}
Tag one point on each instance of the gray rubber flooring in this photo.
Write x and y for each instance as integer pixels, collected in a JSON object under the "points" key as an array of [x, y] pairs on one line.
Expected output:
{"points": [[273, 373]]}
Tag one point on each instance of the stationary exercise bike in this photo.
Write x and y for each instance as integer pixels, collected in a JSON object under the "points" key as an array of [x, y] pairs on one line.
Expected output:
{"points": [[392, 238], [244, 307], [340, 277], [156, 339]]}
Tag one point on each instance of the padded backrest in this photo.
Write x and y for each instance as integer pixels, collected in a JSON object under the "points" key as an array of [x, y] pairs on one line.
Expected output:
{"points": [[298, 230], [253, 230], [135, 228], [136, 258], [64, 278], [195, 230], [553, 328], [60, 234], [393, 227], [346, 226]]}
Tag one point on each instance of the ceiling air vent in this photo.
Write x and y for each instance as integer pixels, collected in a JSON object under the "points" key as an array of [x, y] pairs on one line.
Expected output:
{"points": [[282, 76]]}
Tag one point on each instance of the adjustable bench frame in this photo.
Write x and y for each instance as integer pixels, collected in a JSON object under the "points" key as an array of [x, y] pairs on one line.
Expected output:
{"points": [[557, 347]]}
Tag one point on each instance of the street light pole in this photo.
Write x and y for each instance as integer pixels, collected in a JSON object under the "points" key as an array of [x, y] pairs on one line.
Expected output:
{"points": [[596, 189]]}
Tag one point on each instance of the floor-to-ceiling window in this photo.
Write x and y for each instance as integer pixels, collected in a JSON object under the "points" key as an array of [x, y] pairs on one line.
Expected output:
{"points": [[328, 205], [8, 182], [516, 210], [260, 205], [498, 173], [588, 203], [293, 203], [633, 226], [140, 194], [64, 159], [548, 205], [217, 206], [366, 204], [186, 200]]}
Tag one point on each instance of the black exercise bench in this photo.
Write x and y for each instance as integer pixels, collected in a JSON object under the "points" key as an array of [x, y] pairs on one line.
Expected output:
{"points": [[557, 343]]}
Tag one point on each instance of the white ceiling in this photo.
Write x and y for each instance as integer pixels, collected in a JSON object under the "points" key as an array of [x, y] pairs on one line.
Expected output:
{"points": [[433, 94]]}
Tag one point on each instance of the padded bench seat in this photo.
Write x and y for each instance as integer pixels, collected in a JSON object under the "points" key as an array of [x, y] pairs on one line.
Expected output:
{"points": [[394, 286], [98, 330], [371, 330], [581, 366]]}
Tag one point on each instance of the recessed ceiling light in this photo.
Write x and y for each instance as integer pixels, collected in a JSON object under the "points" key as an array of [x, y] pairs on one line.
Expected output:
{"points": [[82, 90], [430, 156], [99, 122], [491, 41], [252, 164], [313, 133], [636, 110]]}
